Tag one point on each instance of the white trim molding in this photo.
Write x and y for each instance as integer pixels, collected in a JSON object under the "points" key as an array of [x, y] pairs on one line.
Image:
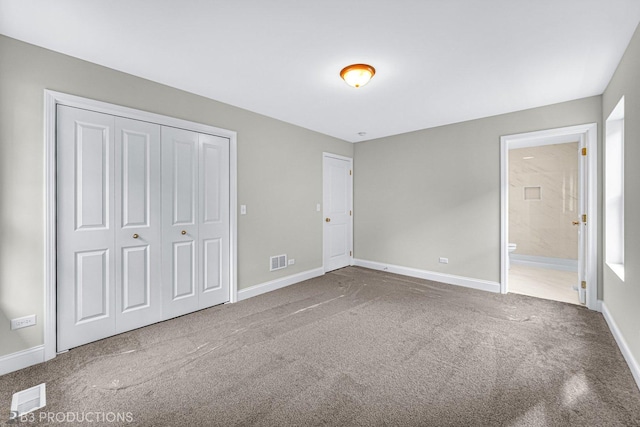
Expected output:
{"points": [[587, 134], [278, 283], [622, 344], [450, 279], [21, 359], [51, 100]]}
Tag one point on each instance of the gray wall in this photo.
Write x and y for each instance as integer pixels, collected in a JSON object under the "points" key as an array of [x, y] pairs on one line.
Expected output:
{"points": [[622, 298], [436, 192], [279, 174]]}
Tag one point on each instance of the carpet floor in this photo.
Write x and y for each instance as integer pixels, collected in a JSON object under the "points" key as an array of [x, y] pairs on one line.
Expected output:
{"points": [[353, 347]]}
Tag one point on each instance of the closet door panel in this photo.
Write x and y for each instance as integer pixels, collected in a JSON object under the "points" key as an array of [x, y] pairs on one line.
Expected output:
{"points": [[184, 261], [92, 285], [214, 220], [212, 263], [138, 224], [179, 217], [136, 280], [85, 247], [211, 168], [183, 191]]}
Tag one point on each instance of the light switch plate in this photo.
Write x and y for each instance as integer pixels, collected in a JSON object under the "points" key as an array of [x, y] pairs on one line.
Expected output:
{"points": [[243, 209]]}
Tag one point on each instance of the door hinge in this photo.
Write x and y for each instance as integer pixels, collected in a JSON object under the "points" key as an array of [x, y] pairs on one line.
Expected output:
{"points": [[350, 253], [584, 218], [349, 213], [584, 151], [583, 284], [349, 172]]}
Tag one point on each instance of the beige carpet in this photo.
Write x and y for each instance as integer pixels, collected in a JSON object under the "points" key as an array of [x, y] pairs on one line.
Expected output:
{"points": [[354, 347]]}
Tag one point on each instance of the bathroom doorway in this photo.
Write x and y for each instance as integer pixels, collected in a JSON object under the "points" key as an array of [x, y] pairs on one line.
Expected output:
{"points": [[544, 221], [548, 215]]}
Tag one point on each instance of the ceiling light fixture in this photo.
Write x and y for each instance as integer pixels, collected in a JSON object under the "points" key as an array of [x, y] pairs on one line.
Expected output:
{"points": [[357, 75]]}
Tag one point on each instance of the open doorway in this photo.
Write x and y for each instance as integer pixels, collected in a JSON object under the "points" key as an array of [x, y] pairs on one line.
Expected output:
{"points": [[548, 214], [544, 221]]}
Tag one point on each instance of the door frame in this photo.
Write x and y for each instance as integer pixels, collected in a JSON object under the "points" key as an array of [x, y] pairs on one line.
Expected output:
{"points": [[587, 135], [326, 155], [51, 101]]}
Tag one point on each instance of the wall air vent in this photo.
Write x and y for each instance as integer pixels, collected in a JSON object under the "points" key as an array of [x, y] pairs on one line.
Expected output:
{"points": [[28, 400], [278, 262]]}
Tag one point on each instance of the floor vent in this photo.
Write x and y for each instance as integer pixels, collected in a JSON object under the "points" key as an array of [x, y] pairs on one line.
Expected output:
{"points": [[278, 262], [28, 400]]}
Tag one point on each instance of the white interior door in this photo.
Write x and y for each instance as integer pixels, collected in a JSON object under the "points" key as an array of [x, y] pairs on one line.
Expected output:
{"points": [[582, 226], [213, 220], [338, 205], [85, 209], [138, 236], [180, 222]]}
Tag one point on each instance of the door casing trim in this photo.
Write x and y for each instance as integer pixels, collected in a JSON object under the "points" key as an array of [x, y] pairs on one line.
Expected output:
{"points": [[51, 100]]}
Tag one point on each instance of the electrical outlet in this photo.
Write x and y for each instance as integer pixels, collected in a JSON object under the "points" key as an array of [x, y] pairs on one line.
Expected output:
{"points": [[443, 260], [23, 322], [292, 261]]}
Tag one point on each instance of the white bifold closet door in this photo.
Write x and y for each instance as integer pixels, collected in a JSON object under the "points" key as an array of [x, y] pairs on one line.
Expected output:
{"points": [[108, 225], [143, 224], [138, 226], [86, 262], [195, 194]]}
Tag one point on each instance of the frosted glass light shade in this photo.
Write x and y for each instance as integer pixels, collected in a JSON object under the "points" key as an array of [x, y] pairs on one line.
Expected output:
{"points": [[357, 75]]}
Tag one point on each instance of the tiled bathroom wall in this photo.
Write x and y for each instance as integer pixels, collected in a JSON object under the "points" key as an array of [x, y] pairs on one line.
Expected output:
{"points": [[543, 200]]}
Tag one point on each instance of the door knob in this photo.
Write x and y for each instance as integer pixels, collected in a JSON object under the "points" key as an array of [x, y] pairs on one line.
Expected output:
{"points": [[327, 219], [575, 222], [135, 236], [183, 232]]}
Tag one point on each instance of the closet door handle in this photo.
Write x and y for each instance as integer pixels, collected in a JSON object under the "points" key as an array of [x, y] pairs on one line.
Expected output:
{"points": [[135, 236], [183, 232]]}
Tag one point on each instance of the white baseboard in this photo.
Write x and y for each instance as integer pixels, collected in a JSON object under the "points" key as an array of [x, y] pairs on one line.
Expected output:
{"points": [[278, 283], [622, 344], [484, 285], [21, 359], [544, 262]]}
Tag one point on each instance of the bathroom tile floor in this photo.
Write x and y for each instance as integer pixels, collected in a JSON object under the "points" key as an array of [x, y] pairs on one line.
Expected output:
{"points": [[543, 283]]}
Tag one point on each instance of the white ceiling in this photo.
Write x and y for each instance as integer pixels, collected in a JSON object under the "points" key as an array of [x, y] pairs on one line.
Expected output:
{"points": [[437, 61]]}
